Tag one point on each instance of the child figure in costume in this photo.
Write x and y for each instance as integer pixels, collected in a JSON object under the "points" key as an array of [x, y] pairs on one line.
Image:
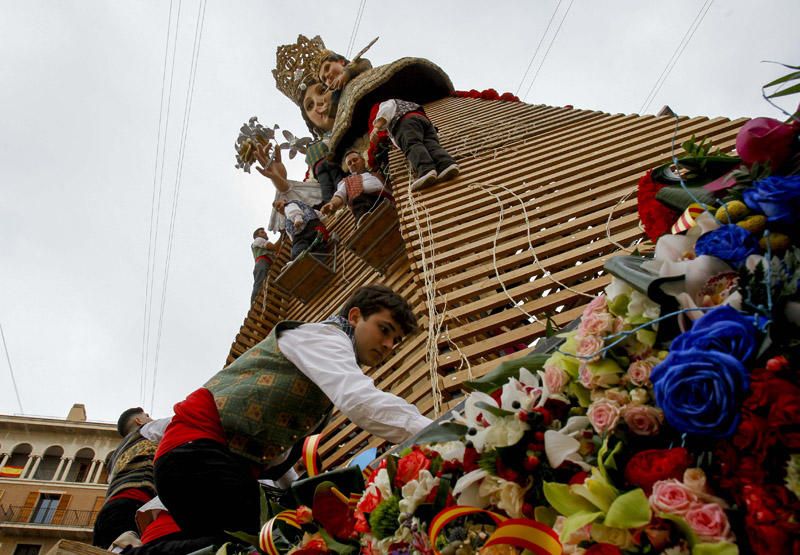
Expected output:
{"points": [[362, 190], [412, 132], [303, 224]]}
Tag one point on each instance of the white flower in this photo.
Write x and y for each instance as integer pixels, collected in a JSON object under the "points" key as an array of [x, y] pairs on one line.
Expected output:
{"points": [[467, 489], [562, 445], [450, 450], [504, 432], [505, 495], [415, 491], [383, 484]]}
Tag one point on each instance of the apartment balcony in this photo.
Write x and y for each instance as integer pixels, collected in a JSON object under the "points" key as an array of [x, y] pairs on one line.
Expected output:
{"points": [[61, 523]]}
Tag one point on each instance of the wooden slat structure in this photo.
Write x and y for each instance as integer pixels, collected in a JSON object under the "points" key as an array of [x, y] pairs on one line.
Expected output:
{"points": [[545, 196]]}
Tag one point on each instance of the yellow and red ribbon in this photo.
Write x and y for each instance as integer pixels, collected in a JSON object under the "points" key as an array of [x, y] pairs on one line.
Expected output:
{"points": [[266, 538], [310, 457], [519, 532], [687, 219]]}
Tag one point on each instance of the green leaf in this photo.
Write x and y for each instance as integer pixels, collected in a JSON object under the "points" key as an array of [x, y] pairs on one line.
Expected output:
{"points": [[391, 468], [335, 546], [441, 433], [629, 510], [679, 199], [245, 537], [562, 499], [682, 525], [576, 522], [441, 494], [788, 77], [497, 411], [545, 515], [721, 548], [509, 369], [791, 90], [551, 328]]}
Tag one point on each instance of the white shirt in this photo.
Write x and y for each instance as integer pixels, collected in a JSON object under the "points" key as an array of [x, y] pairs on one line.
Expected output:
{"points": [[304, 191], [295, 213], [154, 430], [260, 242], [325, 354], [386, 110], [371, 184]]}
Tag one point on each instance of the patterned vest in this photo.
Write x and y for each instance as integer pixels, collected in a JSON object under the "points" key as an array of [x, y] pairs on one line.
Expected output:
{"points": [[265, 403], [354, 185], [260, 251], [131, 465], [403, 107], [309, 214]]}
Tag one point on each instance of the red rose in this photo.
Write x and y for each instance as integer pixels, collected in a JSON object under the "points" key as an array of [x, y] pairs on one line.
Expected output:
{"points": [[767, 539], [603, 549], [471, 457], [786, 407], [648, 467], [409, 467], [752, 435]]}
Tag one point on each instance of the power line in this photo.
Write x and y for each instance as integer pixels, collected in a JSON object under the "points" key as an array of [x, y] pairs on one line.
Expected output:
{"points": [[150, 256], [552, 42], [356, 25], [11, 370], [198, 36], [535, 52], [672, 62]]}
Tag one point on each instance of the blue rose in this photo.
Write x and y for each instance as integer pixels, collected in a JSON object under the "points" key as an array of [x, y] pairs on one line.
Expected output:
{"points": [[723, 329], [777, 196], [729, 242], [700, 391]]}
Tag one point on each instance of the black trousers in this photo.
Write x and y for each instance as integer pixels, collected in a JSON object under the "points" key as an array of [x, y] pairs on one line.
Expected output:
{"points": [[329, 175], [418, 140], [260, 271], [303, 240], [365, 202], [115, 517], [208, 490]]}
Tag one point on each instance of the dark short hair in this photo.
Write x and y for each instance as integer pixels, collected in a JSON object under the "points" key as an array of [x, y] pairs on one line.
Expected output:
{"points": [[353, 151], [255, 233], [125, 419], [374, 298]]}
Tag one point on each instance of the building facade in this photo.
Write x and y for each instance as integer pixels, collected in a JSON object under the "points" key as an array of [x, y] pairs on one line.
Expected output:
{"points": [[53, 479]]}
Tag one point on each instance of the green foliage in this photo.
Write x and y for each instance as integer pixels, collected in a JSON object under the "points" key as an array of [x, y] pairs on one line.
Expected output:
{"points": [[702, 150], [786, 79], [488, 462], [509, 369], [444, 432], [383, 520]]}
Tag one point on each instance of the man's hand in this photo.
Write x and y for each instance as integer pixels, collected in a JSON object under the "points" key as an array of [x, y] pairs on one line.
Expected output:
{"points": [[327, 209], [298, 221]]}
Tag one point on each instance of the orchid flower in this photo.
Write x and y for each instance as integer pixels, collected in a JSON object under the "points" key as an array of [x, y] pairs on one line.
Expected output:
{"points": [[563, 445]]}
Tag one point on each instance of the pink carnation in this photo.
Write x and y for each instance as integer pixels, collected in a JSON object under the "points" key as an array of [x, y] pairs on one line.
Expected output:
{"points": [[671, 496], [643, 420], [639, 373], [555, 378], [709, 522], [604, 415]]}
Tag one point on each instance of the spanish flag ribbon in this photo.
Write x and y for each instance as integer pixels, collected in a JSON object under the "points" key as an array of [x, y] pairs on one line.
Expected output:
{"points": [[519, 532], [266, 538], [353, 500], [310, 457], [687, 219], [10, 471]]}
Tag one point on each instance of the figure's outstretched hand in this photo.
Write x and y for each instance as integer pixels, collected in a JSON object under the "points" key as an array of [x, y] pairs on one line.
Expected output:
{"points": [[340, 81], [273, 170]]}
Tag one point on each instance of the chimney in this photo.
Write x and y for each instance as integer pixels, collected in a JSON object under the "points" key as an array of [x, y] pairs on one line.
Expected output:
{"points": [[77, 413]]}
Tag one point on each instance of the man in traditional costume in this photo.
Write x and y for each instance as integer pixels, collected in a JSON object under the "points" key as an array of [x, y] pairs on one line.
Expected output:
{"points": [[362, 190], [130, 480], [249, 421], [263, 251]]}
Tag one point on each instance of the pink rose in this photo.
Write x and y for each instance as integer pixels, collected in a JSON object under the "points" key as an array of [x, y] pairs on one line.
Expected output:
{"points": [[709, 522], [597, 305], [643, 420], [604, 415], [597, 323], [639, 373], [589, 346], [672, 497], [555, 379]]}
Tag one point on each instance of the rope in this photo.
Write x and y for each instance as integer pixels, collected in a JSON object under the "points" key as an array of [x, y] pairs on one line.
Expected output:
{"points": [[622, 199]]}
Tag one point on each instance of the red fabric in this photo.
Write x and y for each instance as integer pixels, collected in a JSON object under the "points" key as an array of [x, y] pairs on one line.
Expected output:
{"points": [[322, 231], [264, 257], [132, 493], [195, 418], [163, 525], [488, 94]]}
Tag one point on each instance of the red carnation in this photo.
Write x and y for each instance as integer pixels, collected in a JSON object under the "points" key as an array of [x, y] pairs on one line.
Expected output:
{"points": [[656, 218], [752, 435], [648, 467]]}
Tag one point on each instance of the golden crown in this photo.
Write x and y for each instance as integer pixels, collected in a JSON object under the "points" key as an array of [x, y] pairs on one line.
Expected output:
{"points": [[296, 66]]}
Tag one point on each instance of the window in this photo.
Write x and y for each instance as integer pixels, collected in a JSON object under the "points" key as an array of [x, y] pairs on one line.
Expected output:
{"points": [[45, 508], [27, 549]]}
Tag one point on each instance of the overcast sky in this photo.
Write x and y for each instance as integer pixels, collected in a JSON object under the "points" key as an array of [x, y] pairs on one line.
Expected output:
{"points": [[80, 93]]}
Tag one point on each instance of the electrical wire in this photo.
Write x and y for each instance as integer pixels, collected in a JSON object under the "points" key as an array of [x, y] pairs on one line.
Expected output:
{"points": [[684, 42], [198, 36], [150, 256], [11, 370], [538, 46], [356, 24], [552, 42]]}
